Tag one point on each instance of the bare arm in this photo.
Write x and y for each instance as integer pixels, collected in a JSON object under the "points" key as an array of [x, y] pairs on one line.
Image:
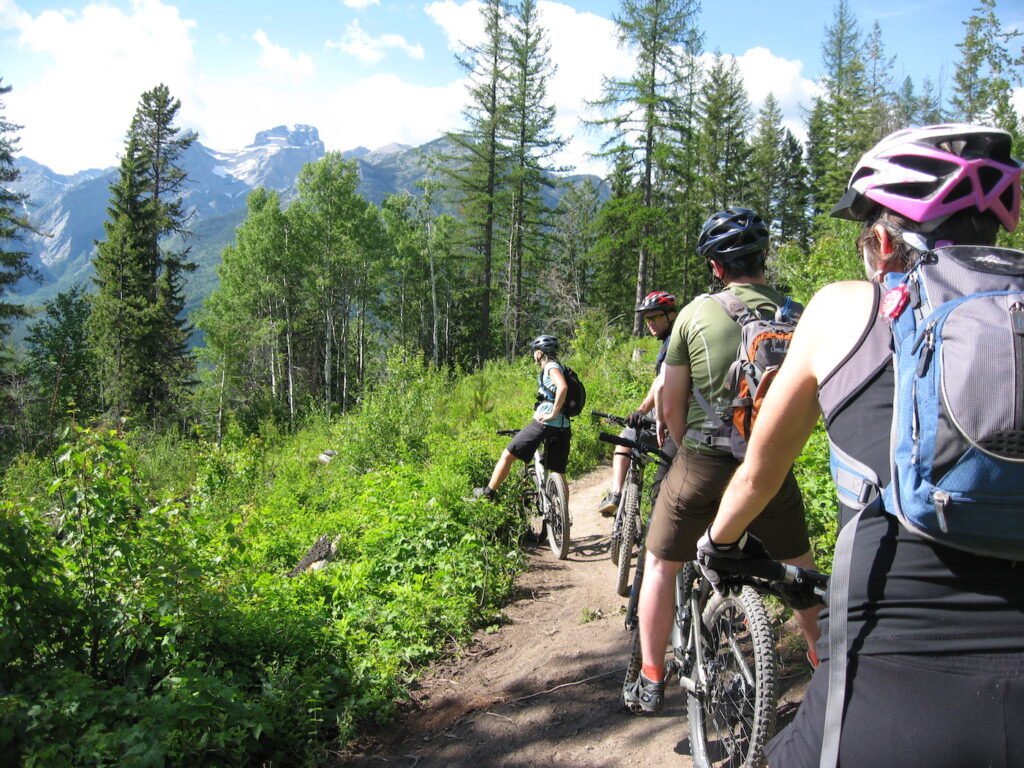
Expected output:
{"points": [[829, 328], [675, 399]]}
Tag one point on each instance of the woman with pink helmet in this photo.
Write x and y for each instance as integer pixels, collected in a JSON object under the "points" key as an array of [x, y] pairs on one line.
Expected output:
{"points": [[935, 651]]}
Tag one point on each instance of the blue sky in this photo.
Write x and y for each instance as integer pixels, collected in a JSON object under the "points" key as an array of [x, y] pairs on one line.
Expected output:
{"points": [[372, 72]]}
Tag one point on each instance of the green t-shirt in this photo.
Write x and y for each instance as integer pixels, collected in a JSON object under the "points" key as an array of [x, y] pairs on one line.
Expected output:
{"points": [[706, 339]]}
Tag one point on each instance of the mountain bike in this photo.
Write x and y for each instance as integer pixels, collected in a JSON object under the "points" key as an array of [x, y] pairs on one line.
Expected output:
{"points": [[722, 651], [628, 525], [544, 501]]}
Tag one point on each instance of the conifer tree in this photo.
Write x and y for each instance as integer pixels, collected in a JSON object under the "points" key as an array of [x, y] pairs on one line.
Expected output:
{"points": [[906, 106], [793, 221], [640, 110], [528, 132], [137, 324], [982, 83], [479, 173], [618, 241], [929, 106], [767, 163], [722, 138], [878, 69], [14, 226], [841, 125], [575, 236]]}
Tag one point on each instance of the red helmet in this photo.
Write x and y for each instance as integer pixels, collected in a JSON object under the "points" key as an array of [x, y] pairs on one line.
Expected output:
{"points": [[658, 300]]}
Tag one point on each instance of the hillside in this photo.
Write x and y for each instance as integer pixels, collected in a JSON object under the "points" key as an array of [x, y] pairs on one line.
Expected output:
{"points": [[70, 210]]}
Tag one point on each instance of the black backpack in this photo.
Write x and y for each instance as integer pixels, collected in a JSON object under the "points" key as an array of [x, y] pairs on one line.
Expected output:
{"points": [[575, 397]]}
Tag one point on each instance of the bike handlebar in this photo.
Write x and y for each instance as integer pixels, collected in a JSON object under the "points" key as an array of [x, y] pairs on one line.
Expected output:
{"points": [[797, 586], [633, 444], [507, 432], [647, 423]]}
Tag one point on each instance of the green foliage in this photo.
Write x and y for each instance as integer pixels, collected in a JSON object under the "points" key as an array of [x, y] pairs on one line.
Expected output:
{"points": [[820, 503], [833, 257], [146, 614]]}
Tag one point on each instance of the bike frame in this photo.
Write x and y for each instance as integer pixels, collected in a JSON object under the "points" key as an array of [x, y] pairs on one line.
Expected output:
{"points": [[689, 652]]}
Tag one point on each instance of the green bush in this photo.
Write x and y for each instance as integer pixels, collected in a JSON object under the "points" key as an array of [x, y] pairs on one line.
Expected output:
{"points": [[146, 618]]}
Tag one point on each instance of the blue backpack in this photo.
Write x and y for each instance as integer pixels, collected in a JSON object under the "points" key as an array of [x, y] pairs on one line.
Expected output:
{"points": [[957, 445]]}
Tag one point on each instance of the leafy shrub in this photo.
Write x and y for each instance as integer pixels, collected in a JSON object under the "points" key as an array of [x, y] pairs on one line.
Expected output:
{"points": [[145, 614]]}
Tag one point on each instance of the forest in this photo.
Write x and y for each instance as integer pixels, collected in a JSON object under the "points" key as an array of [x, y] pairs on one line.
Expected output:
{"points": [[155, 495]]}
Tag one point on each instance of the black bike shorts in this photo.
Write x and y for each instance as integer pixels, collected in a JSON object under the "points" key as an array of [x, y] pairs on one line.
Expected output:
{"points": [[556, 440], [915, 711]]}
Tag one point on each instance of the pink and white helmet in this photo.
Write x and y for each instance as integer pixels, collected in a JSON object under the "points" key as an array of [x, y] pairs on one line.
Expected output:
{"points": [[931, 172]]}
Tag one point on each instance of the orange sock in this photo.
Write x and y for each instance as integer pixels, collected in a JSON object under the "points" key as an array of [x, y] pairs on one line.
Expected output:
{"points": [[654, 674]]}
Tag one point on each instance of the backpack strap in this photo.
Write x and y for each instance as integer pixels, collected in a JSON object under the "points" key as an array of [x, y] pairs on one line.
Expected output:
{"points": [[543, 393], [709, 439], [737, 309], [838, 605], [857, 484]]}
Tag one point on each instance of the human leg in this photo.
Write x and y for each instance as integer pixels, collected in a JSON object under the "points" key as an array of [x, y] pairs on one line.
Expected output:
{"points": [[656, 611], [501, 470], [620, 465], [685, 507]]}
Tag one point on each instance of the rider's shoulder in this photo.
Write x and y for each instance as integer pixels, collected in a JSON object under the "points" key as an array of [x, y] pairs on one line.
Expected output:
{"points": [[838, 300]]}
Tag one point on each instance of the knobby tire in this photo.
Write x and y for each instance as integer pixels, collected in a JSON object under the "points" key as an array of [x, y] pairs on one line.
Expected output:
{"points": [[558, 523], [628, 536], [616, 538], [733, 718]]}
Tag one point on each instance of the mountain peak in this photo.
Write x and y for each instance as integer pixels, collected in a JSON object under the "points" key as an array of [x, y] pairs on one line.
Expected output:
{"points": [[387, 150], [290, 136]]}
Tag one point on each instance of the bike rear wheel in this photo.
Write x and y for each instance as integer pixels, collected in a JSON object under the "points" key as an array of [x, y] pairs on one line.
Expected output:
{"points": [[558, 523], [733, 715], [627, 536]]}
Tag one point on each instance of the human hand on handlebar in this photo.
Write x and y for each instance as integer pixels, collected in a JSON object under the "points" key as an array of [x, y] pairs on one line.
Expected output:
{"points": [[636, 419], [749, 547]]}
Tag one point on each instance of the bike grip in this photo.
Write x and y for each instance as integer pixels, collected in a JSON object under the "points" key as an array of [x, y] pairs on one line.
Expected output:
{"points": [[616, 440]]}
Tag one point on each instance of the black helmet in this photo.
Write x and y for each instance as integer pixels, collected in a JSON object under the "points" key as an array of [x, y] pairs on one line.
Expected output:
{"points": [[546, 344], [658, 300], [733, 235]]}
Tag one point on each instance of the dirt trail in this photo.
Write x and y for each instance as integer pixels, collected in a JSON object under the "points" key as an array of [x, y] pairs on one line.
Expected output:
{"points": [[543, 689]]}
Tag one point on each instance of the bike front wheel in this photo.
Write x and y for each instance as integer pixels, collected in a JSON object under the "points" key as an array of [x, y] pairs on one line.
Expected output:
{"points": [[732, 715], [627, 536], [557, 517]]}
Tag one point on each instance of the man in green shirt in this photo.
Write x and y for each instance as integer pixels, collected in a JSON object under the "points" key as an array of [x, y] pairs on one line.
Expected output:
{"points": [[702, 348]]}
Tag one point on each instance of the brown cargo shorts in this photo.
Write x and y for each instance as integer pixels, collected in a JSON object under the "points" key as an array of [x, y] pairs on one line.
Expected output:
{"points": [[689, 499]]}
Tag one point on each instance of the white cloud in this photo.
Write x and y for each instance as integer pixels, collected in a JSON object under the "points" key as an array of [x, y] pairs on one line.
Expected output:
{"points": [[281, 61], [360, 4], [358, 43], [382, 109], [462, 24], [101, 59], [764, 72], [10, 14]]}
